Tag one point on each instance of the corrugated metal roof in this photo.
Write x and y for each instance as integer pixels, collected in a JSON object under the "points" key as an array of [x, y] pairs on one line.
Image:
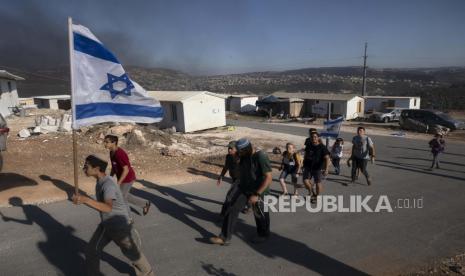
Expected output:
{"points": [[243, 96], [179, 96], [316, 96], [390, 97], [7, 75], [53, 97]]}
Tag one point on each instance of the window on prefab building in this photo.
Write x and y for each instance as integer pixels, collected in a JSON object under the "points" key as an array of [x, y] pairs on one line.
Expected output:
{"points": [[415, 102], [174, 113], [9, 86]]}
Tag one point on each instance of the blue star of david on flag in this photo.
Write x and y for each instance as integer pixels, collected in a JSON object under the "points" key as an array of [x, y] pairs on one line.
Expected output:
{"points": [[112, 79], [96, 75]]}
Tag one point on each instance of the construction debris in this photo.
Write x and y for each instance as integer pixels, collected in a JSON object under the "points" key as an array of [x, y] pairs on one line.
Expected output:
{"points": [[24, 133], [65, 123], [120, 130], [136, 137]]}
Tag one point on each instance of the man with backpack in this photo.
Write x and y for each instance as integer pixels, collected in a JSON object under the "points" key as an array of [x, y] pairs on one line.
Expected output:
{"points": [[315, 165], [363, 150], [255, 179]]}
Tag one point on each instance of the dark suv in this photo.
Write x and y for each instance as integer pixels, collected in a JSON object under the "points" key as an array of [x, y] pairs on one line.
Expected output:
{"points": [[430, 118], [3, 134]]}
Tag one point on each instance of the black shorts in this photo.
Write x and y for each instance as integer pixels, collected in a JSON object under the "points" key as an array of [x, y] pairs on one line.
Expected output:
{"points": [[309, 174], [285, 173]]}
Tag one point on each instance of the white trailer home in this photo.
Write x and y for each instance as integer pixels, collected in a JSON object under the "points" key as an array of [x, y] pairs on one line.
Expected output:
{"points": [[8, 92], [242, 103], [380, 103], [349, 106], [190, 111]]}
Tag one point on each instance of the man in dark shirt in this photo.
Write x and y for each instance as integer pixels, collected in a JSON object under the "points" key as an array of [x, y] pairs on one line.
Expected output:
{"points": [[437, 146], [115, 225], [316, 164], [231, 165], [255, 179]]}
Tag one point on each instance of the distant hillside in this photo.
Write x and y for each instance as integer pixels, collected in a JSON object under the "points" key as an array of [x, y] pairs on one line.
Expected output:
{"points": [[441, 88]]}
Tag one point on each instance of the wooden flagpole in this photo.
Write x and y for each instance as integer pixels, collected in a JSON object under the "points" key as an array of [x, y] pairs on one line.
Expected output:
{"points": [[75, 144]]}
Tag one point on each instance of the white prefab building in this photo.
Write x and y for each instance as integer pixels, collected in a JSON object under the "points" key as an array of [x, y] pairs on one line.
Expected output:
{"points": [[190, 111], [8, 92], [242, 103], [379, 103], [53, 102], [349, 106]]}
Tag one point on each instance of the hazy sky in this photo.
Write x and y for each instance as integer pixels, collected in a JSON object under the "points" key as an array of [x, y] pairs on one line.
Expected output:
{"points": [[219, 36]]}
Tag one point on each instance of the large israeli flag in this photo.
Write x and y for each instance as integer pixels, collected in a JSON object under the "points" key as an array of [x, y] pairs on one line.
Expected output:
{"points": [[102, 91]]}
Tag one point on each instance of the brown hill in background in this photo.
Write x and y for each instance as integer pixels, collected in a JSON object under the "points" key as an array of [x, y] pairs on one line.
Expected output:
{"points": [[440, 88]]}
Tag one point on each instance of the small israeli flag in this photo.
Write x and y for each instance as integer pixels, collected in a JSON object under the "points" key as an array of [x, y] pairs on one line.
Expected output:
{"points": [[332, 128], [101, 89]]}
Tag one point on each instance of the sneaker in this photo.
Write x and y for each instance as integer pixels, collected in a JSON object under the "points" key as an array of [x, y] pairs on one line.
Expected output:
{"points": [[218, 240], [246, 210], [313, 199], [369, 182], [146, 208], [259, 239]]}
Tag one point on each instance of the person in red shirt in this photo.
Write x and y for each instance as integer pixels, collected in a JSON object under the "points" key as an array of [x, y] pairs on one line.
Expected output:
{"points": [[121, 167]]}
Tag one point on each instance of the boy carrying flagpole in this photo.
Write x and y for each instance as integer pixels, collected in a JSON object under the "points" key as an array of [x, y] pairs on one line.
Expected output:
{"points": [[96, 99]]}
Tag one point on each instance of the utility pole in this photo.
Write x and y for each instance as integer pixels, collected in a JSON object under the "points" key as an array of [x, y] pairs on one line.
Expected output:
{"points": [[329, 118], [364, 82]]}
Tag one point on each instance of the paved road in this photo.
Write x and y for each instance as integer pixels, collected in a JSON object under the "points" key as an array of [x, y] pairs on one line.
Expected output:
{"points": [[50, 239]]}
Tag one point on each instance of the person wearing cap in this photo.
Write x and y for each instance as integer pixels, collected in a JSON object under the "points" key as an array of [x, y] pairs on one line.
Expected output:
{"points": [[115, 222], [316, 165], [231, 164], [254, 181]]}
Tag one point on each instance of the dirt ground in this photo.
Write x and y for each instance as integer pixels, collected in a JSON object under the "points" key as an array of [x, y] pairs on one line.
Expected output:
{"points": [[448, 266]]}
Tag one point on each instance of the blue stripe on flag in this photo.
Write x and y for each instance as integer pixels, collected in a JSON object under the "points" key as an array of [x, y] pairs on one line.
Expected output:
{"points": [[84, 111], [91, 47], [330, 122], [329, 134]]}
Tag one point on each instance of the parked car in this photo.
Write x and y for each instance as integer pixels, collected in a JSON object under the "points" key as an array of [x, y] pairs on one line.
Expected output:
{"points": [[430, 118], [3, 135], [387, 115]]}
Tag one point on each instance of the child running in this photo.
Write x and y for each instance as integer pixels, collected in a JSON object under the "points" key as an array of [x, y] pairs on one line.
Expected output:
{"points": [[336, 154], [115, 222], [121, 167], [290, 165]]}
